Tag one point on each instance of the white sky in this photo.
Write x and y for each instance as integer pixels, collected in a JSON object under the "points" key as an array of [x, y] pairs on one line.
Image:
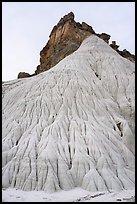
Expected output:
{"points": [[26, 27]]}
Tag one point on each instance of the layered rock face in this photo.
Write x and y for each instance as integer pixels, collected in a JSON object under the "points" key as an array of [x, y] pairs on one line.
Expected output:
{"points": [[65, 38], [73, 125]]}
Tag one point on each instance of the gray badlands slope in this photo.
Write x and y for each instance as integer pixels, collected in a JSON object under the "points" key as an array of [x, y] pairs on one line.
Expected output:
{"points": [[72, 125]]}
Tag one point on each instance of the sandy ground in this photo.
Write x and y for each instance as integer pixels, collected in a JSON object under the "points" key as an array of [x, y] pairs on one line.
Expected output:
{"points": [[75, 195]]}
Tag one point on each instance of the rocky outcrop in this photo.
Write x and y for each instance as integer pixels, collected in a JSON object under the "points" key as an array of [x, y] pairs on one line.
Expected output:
{"points": [[127, 55], [114, 45], [23, 75], [65, 38], [104, 37]]}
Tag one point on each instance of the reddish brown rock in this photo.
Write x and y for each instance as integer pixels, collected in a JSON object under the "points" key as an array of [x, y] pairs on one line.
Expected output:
{"points": [[126, 54], [104, 36], [64, 39], [114, 45], [23, 75]]}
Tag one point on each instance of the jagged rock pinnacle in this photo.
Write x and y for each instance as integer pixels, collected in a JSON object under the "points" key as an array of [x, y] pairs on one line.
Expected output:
{"points": [[64, 39]]}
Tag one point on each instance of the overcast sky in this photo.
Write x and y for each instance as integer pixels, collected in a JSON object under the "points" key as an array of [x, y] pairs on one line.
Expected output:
{"points": [[26, 27]]}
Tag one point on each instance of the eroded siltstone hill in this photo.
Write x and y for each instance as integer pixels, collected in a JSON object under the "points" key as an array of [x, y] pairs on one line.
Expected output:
{"points": [[72, 125]]}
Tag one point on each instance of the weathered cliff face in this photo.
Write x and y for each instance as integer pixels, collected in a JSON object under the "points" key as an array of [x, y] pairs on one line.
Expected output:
{"points": [[65, 38]]}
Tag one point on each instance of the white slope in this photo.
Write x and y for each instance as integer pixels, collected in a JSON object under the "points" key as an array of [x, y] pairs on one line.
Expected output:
{"points": [[72, 126]]}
